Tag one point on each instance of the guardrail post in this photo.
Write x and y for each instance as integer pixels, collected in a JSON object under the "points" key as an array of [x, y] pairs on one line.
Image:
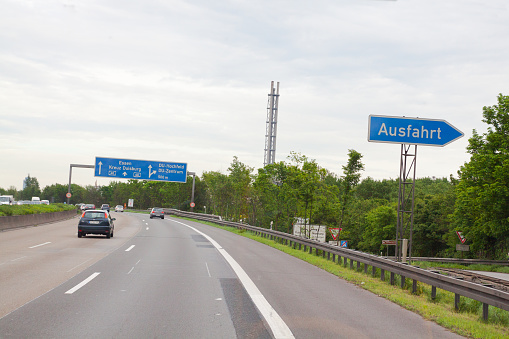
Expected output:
{"points": [[351, 264], [310, 250], [392, 278], [305, 248], [402, 284], [358, 265], [300, 246], [328, 255], [456, 301], [333, 257], [365, 268], [485, 311], [433, 292], [373, 270], [382, 274], [345, 261], [414, 286], [339, 259]]}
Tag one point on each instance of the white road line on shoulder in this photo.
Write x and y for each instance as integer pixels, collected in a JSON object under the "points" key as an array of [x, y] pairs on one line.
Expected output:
{"points": [[279, 328], [83, 283], [49, 242], [130, 248]]}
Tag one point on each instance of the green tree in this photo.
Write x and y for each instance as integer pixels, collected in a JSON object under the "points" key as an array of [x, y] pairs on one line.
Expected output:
{"points": [[482, 202], [31, 188]]}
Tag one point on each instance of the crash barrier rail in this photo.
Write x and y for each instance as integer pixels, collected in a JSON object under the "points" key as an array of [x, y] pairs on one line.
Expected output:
{"points": [[463, 261], [482, 293], [16, 221]]}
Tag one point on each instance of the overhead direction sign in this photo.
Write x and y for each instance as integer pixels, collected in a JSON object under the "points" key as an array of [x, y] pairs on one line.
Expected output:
{"points": [[140, 169], [415, 131]]}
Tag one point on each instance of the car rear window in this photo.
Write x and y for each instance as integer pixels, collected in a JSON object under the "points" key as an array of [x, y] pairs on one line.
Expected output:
{"points": [[94, 215]]}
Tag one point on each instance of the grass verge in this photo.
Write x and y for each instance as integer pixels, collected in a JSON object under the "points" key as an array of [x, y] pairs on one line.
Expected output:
{"points": [[467, 321], [9, 210]]}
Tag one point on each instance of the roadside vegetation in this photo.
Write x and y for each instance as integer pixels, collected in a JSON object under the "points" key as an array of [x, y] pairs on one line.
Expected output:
{"points": [[7, 210]]}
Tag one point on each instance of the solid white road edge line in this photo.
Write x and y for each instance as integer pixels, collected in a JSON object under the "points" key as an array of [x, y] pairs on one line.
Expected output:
{"points": [[276, 323], [130, 248], [49, 242], [83, 283]]}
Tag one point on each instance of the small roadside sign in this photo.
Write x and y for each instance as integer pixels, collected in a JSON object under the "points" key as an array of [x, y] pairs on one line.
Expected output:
{"points": [[463, 248], [192, 204], [343, 243], [68, 195], [130, 203], [389, 242], [335, 232], [460, 235]]}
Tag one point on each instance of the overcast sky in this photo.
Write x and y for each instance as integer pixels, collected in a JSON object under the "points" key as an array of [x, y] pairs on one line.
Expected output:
{"points": [[187, 81]]}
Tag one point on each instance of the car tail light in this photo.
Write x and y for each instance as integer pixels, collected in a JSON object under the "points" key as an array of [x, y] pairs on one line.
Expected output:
{"points": [[162, 212]]}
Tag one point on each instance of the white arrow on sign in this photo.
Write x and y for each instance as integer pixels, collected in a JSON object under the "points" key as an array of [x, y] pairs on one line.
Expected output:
{"points": [[124, 174], [150, 171], [100, 165]]}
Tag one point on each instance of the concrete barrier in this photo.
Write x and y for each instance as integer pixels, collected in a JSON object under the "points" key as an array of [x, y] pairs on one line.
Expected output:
{"points": [[16, 221]]}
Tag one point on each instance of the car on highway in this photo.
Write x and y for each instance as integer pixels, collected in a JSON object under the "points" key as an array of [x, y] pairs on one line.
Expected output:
{"points": [[157, 212], [86, 207], [96, 222], [119, 208], [105, 207]]}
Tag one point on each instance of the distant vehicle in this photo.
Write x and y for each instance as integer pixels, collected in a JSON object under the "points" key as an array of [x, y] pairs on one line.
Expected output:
{"points": [[45, 202], [6, 200], [157, 213], [96, 222], [119, 208], [105, 207], [36, 199], [88, 207]]}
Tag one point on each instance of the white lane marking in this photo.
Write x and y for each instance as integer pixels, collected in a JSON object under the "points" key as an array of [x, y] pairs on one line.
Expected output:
{"points": [[3, 263], [208, 271], [130, 248], [133, 267], [49, 242], [147, 228], [83, 283], [79, 265], [275, 322]]}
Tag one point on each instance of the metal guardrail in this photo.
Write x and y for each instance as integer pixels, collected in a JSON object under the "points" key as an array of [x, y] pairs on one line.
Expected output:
{"points": [[484, 294], [463, 261]]}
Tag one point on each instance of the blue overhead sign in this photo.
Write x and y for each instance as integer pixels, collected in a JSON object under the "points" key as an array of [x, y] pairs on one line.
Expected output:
{"points": [[140, 169], [415, 131]]}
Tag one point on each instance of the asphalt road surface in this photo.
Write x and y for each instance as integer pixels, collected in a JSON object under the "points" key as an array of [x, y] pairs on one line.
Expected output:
{"points": [[175, 278]]}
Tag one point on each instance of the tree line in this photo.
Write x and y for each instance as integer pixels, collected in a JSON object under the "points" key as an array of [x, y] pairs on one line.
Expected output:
{"points": [[475, 203]]}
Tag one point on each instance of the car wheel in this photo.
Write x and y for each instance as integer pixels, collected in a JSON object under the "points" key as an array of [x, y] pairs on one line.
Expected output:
{"points": [[112, 234], [79, 235], [162, 217], [108, 236]]}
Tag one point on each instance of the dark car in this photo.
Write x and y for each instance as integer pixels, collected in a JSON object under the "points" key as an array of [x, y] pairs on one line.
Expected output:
{"points": [[157, 213], [105, 207], [96, 222]]}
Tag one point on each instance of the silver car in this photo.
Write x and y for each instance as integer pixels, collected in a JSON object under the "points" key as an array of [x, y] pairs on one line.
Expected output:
{"points": [[157, 213]]}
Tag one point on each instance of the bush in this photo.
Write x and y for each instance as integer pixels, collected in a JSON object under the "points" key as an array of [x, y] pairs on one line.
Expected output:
{"points": [[10, 210]]}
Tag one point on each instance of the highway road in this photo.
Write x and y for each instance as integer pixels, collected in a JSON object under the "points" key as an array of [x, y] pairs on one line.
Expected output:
{"points": [[175, 278]]}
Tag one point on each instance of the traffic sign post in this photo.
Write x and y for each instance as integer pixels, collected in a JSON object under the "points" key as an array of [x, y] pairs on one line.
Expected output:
{"points": [[409, 132], [140, 169]]}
